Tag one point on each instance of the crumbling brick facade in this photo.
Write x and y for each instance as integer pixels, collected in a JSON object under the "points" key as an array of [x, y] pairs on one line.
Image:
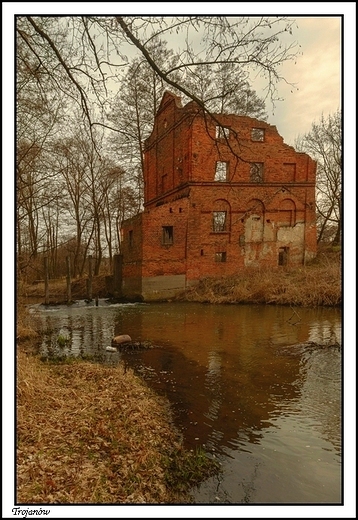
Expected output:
{"points": [[221, 193]]}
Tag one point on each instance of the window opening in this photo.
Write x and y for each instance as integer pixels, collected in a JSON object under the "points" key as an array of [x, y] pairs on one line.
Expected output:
{"points": [[283, 256], [220, 257], [222, 132], [219, 221], [257, 134], [167, 235], [257, 172], [130, 238], [221, 171]]}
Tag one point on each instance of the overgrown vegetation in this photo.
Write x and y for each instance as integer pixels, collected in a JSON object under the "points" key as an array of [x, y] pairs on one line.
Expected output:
{"points": [[184, 469], [58, 289], [87, 433], [318, 283]]}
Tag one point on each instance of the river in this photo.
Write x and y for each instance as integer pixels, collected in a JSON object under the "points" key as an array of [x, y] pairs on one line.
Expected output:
{"points": [[257, 386]]}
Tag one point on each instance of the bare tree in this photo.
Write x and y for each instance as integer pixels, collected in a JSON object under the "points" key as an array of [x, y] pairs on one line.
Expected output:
{"points": [[80, 56], [133, 112], [35, 190], [324, 143], [224, 88], [220, 87], [72, 166], [38, 110], [256, 44], [66, 63]]}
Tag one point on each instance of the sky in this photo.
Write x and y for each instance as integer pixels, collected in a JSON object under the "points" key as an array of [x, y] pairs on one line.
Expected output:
{"points": [[316, 74], [324, 75]]}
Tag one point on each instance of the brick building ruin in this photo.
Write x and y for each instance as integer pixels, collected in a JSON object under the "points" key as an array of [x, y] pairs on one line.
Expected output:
{"points": [[221, 194]]}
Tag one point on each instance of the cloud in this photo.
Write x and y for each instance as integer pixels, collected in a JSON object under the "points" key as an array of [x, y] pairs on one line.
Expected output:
{"points": [[316, 74]]}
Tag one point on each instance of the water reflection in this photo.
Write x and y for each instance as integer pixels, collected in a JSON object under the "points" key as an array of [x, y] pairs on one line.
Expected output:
{"points": [[244, 383]]}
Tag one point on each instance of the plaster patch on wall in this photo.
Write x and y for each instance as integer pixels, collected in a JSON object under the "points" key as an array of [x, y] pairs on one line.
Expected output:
{"points": [[290, 234]]}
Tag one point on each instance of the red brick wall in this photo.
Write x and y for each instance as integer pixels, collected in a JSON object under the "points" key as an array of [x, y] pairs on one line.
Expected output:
{"points": [[183, 148], [160, 259], [203, 242], [240, 151], [167, 150], [181, 194]]}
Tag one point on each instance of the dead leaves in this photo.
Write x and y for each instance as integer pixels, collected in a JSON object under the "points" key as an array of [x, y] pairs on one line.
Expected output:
{"points": [[89, 434]]}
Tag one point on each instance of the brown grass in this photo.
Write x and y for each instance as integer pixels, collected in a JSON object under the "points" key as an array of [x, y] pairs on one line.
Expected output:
{"points": [[87, 433], [319, 283], [27, 327], [58, 289], [313, 285]]}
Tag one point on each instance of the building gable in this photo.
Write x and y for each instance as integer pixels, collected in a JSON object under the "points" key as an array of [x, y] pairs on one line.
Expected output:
{"points": [[220, 197]]}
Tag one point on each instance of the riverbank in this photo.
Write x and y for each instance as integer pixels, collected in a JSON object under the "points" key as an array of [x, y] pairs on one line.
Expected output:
{"points": [[92, 434], [87, 433], [315, 284]]}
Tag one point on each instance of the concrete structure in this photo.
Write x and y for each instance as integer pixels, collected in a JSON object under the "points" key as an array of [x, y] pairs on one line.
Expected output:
{"points": [[222, 194]]}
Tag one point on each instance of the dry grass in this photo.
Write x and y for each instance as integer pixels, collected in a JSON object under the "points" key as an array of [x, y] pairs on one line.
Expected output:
{"points": [[312, 285], [27, 327], [87, 433], [58, 289], [319, 283]]}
